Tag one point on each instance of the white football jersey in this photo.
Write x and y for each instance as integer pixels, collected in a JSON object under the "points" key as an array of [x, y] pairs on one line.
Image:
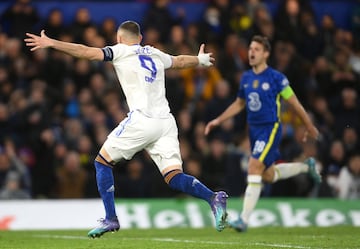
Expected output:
{"points": [[141, 72]]}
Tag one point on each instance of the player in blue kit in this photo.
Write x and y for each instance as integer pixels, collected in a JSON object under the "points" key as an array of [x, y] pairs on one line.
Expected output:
{"points": [[149, 124], [260, 92]]}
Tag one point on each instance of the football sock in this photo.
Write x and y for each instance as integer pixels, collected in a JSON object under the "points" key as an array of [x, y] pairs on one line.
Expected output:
{"points": [[105, 183], [286, 170], [189, 185], [251, 197]]}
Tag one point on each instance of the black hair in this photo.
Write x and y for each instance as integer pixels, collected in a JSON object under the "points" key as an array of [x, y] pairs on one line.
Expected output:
{"points": [[262, 40], [131, 26]]}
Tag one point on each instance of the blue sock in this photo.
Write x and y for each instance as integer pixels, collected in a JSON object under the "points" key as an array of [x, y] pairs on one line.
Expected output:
{"points": [[105, 183], [192, 186]]}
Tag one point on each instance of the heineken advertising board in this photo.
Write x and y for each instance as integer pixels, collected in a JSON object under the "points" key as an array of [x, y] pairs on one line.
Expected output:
{"points": [[166, 213], [269, 212]]}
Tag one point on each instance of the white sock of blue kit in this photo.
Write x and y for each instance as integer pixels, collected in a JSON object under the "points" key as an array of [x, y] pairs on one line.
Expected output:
{"points": [[251, 197]]}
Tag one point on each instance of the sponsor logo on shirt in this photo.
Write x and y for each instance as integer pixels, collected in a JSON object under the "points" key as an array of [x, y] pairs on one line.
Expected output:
{"points": [[265, 86]]}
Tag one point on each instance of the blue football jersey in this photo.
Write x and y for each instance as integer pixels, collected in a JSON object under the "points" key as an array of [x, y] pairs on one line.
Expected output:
{"points": [[262, 95]]}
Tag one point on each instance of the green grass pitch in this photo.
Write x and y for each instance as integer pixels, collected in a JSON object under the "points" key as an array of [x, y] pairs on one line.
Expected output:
{"points": [[179, 238]]}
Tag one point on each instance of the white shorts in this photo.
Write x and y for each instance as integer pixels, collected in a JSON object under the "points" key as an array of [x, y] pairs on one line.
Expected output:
{"points": [[158, 136]]}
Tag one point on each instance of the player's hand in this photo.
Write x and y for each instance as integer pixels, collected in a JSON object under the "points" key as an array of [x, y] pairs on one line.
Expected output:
{"points": [[211, 125], [205, 59], [312, 132], [37, 42]]}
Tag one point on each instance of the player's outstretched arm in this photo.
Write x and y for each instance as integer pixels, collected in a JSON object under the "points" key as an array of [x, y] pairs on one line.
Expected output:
{"points": [[312, 131], [231, 111], [77, 50], [185, 61]]}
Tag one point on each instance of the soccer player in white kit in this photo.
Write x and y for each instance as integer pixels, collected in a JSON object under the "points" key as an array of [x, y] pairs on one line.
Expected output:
{"points": [[149, 124]]}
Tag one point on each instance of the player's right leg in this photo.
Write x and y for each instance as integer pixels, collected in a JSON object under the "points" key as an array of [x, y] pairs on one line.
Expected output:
{"points": [[165, 152], [252, 194], [105, 183], [188, 184]]}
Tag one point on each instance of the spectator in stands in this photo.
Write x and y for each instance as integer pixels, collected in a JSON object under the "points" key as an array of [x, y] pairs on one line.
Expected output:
{"points": [[215, 161], [108, 30], [192, 36], [54, 23], [224, 8], [60, 151], [236, 165], [221, 99], [185, 124], [152, 37], [264, 24], [73, 130], [5, 122], [135, 183], [12, 189], [346, 110], [210, 28], [240, 22], [286, 60], [159, 17], [327, 31], [350, 138], [193, 166], [354, 57], [329, 187], [342, 74], [232, 59], [199, 84], [86, 152], [115, 109], [81, 73], [43, 172], [81, 21], [91, 36], [335, 157], [287, 21], [10, 162], [349, 179], [322, 114], [71, 178], [177, 40], [199, 141], [311, 44], [19, 18], [322, 70], [71, 104]]}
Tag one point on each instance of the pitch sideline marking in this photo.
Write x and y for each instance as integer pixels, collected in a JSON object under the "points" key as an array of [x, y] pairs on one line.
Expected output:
{"points": [[179, 241], [279, 245], [230, 243], [48, 236]]}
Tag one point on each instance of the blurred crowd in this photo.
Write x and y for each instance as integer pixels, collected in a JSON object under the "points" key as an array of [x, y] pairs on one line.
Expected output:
{"points": [[56, 111]]}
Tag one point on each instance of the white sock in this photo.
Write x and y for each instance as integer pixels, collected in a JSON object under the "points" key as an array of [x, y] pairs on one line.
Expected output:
{"points": [[251, 197], [286, 170]]}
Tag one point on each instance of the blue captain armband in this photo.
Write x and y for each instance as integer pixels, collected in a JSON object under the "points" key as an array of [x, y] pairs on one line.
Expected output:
{"points": [[108, 54], [287, 92]]}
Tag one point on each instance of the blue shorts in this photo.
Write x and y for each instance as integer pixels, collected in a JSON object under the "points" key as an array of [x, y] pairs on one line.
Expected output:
{"points": [[265, 140]]}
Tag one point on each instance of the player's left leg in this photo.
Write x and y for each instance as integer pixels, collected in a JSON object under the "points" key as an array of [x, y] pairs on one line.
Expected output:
{"points": [[286, 170], [105, 183], [188, 184]]}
